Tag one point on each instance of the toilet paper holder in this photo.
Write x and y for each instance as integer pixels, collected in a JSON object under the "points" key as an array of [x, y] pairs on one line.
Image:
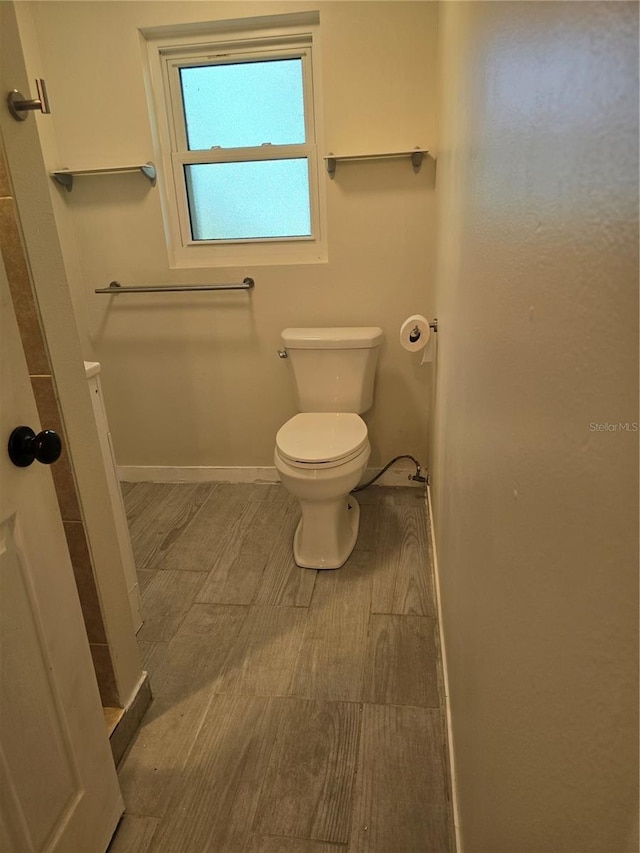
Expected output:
{"points": [[415, 333]]}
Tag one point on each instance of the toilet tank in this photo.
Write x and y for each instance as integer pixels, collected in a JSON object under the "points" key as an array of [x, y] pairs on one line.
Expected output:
{"points": [[333, 367]]}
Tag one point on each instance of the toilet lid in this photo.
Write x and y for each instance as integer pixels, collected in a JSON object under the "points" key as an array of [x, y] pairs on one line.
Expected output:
{"points": [[316, 437]]}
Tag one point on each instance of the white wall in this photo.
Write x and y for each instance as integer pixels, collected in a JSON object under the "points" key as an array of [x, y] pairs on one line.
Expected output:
{"points": [[195, 380], [536, 513]]}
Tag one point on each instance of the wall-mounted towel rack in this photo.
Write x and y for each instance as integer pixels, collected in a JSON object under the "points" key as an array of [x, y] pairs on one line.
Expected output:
{"points": [[65, 176], [416, 154], [116, 288]]}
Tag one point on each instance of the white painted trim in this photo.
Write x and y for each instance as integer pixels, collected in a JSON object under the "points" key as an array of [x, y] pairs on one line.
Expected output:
{"points": [[195, 474], [161, 46], [445, 677], [396, 476], [132, 698]]}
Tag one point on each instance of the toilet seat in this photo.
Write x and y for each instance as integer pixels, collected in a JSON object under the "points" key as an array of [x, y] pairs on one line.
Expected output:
{"points": [[321, 439]]}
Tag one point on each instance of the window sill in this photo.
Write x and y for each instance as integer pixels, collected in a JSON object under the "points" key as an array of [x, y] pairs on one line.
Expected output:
{"points": [[246, 255]]}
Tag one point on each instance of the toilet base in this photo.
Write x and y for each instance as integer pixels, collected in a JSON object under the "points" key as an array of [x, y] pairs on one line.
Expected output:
{"points": [[327, 533]]}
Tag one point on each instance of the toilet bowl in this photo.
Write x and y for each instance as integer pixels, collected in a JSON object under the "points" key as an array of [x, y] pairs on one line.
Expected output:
{"points": [[321, 454], [320, 457]]}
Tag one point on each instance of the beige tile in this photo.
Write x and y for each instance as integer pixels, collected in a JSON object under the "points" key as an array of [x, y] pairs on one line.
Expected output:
{"points": [[21, 291], [401, 582], [401, 661], [165, 603], [414, 495], [263, 659], [193, 661], [380, 495], [262, 492], [279, 844], [220, 787], [222, 521], [332, 655], [105, 676], [188, 499], [400, 801], [367, 540], [145, 576], [236, 582], [263, 533], [133, 835], [151, 656], [143, 498], [375, 496], [251, 491], [238, 567], [284, 583], [409, 496], [226, 578], [199, 762], [242, 520], [150, 774], [212, 619], [85, 581], [62, 471], [219, 624], [308, 784], [270, 492], [126, 487], [153, 537]]}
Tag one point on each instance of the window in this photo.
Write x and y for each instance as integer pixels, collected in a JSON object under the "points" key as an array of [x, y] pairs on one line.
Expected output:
{"points": [[238, 136], [251, 110]]}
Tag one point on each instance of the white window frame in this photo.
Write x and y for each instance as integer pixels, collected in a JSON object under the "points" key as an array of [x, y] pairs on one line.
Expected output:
{"points": [[166, 55]]}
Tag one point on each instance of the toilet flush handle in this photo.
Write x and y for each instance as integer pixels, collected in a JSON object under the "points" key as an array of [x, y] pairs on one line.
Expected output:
{"points": [[282, 353]]}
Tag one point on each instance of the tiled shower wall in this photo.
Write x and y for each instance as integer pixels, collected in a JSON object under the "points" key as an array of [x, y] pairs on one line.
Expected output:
{"points": [[43, 384]]}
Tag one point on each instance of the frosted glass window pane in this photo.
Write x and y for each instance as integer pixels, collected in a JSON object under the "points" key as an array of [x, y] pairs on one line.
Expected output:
{"points": [[268, 198], [245, 104]]}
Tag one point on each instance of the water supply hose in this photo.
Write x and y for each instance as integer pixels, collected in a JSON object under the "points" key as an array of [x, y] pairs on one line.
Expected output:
{"points": [[417, 476]]}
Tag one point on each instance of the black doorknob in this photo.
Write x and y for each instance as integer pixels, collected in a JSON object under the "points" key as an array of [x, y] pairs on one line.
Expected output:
{"points": [[25, 446]]}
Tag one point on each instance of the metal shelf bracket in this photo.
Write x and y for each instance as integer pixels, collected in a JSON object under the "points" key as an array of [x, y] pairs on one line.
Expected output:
{"points": [[65, 176], [416, 155]]}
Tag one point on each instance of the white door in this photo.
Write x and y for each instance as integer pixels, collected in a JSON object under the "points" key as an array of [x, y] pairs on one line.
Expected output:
{"points": [[58, 786]]}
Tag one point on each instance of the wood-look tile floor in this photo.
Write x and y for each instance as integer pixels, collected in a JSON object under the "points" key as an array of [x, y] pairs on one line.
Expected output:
{"points": [[294, 711]]}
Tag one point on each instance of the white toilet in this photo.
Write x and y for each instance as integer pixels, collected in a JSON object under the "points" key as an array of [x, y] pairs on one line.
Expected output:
{"points": [[321, 454]]}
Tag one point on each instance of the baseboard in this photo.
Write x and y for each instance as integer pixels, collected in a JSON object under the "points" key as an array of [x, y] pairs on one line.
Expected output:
{"points": [[195, 474], [445, 678], [398, 475], [129, 722]]}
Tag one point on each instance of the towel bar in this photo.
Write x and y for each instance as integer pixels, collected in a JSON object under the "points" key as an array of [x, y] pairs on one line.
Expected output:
{"points": [[116, 288]]}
